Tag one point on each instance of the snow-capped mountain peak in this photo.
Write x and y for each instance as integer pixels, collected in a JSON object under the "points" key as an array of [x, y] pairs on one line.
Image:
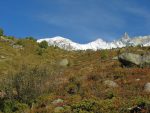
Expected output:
{"points": [[68, 44], [125, 38], [57, 39]]}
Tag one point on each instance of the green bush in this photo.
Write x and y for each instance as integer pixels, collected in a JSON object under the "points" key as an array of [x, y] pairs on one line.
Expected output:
{"points": [[28, 83], [86, 106], [72, 88], [30, 38], [10, 37], [40, 51], [1, 32], [104, 54], [20, 42], [43, 44], [110, 95], [9, 106]]}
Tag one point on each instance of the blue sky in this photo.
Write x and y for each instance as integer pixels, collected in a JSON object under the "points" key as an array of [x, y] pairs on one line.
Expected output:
{"points": [[80, 20]]}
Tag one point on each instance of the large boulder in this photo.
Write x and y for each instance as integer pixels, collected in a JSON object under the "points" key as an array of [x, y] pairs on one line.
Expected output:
{"points": [[131, 59]]}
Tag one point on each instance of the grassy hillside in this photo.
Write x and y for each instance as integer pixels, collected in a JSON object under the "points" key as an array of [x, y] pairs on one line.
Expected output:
{"points": [[35, 80]]}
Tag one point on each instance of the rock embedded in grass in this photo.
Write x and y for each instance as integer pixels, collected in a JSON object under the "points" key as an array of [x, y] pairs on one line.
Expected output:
{"points": [[64, 62], [147, 87], [111, 84], [57, 101], [131, 60]]}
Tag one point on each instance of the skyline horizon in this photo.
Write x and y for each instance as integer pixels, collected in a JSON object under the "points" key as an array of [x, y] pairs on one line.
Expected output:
{"points": [[116, 39], [96, 38]]}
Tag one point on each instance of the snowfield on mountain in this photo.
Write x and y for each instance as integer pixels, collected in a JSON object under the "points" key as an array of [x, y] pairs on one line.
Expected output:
{"points": [[98, 44]]}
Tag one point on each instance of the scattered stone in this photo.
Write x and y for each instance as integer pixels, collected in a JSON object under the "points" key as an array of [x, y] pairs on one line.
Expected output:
{"points": [[2, 57], [58, 101], [15, 93], [2, 94], [137, 79], [115, 58], [18, 46], [147, 87], [64, 62], [5, 39], [111, 84]]}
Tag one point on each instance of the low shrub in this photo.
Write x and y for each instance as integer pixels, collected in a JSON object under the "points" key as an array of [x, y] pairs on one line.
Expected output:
{"points": [[30, 38], [72, 88], [104, 54], [43, 44], [1, 32], [40, 51], [9, 106], [28, 83], [86, 106]]}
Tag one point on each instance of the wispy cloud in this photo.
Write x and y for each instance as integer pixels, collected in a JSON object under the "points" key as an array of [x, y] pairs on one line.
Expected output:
{"points": [[90, 20], [139, 12], [93, 18]]}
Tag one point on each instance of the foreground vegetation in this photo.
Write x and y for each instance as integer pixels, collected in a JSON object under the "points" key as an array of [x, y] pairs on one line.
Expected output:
{"points": [[36, 78]]}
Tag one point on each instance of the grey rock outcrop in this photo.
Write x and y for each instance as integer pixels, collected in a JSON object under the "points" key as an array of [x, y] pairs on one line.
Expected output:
{"points": [[131, 59]]}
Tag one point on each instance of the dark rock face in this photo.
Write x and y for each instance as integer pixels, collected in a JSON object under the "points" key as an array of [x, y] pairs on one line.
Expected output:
{"points": [[141, 108], [131, 59]]}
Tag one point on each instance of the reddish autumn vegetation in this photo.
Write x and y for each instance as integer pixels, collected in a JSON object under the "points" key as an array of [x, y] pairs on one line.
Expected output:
{"points": [[40, 79]]}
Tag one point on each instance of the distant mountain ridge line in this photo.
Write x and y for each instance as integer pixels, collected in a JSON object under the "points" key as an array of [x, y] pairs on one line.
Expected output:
{"points": [[98, 44]]}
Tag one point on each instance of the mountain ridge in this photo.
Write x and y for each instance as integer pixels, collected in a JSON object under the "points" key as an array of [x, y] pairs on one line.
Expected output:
{"points": [[98, 44]]}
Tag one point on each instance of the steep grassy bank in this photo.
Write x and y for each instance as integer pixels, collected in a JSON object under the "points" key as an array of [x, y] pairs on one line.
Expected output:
{"points": [[38, 80]]}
